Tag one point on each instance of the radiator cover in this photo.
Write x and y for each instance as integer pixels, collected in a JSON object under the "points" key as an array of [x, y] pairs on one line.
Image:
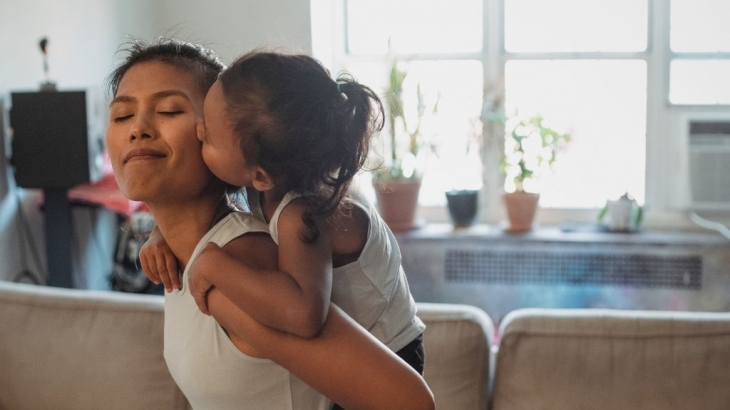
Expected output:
{"points": [[574, 268]]}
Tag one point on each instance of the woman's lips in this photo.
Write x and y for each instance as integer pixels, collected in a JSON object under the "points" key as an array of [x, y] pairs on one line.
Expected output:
{"points": [[142, 153]]}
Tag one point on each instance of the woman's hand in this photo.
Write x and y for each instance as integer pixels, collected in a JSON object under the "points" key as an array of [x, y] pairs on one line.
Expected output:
{"points": [[158, 262], [198, 284]]}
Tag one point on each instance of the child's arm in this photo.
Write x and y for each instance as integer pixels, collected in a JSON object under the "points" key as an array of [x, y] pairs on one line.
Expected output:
{"points": [[294, 298], [158, 262]]}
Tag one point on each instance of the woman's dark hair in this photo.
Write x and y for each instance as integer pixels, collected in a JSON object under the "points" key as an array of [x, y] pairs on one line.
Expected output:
{"points": [[309, 132], [202, 63]]}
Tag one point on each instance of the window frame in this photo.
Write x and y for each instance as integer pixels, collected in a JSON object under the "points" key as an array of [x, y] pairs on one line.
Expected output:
{"points": [[666, 190], [686, 55]]}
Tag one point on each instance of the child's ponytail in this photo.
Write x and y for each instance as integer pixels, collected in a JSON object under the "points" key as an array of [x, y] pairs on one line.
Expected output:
{"points": [[360, 116]]}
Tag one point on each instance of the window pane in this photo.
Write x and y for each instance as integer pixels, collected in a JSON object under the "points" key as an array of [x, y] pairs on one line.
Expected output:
{"points": [[449, 130], [575, 25], [414, 26], [603, 104], [699, 82], [700, 25]]}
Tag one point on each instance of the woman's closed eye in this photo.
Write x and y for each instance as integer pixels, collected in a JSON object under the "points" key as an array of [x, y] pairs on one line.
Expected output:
{"points": [[122, 118], [170, 113]]}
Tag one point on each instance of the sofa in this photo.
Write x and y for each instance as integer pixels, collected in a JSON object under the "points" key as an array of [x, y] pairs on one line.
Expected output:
{"points": [[73, 349], [66, 349]]}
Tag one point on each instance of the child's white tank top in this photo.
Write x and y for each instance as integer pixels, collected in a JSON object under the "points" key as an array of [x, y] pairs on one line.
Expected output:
{"points": [[372, 290]]}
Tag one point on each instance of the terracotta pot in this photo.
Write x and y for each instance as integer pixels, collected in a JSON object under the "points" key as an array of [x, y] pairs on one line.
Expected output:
{"points": [[521, 208], [397, 203]]}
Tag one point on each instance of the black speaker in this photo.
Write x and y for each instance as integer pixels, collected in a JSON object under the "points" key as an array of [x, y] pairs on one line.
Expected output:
{"points": [[58, 138]]}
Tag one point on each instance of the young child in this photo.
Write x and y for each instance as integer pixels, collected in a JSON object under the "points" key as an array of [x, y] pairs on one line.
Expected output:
{"points": [[279, 125]]}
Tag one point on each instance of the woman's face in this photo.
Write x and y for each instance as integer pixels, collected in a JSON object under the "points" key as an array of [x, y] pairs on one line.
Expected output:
{"points": [[221, 147], [152, 138]]}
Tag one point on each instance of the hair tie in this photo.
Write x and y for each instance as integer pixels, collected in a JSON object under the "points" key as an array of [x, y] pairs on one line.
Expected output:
{"points": [[339, 90]]}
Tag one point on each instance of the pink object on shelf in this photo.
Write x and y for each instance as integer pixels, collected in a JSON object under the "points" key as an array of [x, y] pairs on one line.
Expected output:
{"points": [[106, 193]]}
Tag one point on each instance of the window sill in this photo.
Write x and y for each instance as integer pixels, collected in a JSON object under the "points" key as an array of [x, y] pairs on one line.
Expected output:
{"points": [[667, 220], [579, 233]]}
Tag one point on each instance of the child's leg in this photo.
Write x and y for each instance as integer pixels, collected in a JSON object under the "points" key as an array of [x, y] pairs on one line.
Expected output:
{"points": [[413, 354]]}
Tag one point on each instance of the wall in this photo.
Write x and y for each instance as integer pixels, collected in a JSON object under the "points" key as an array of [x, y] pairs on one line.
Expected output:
{"points": [[84, 35], [233, 26]]}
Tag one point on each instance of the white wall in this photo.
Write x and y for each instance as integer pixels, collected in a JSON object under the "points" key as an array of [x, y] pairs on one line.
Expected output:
{"points": [[84, 35], [232, 27]]}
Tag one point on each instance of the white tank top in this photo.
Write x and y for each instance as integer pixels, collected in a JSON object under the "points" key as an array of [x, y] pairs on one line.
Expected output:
{"points": [[372, 290], [209, 369]]}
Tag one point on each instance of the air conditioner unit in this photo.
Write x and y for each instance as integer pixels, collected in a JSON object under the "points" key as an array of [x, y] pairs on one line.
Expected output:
{"points": [[709, 164]]}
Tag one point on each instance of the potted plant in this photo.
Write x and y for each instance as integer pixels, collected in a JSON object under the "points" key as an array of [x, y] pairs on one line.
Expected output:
{"points": [[462, 199], [398, 184], [621, 215], [531, 148]]}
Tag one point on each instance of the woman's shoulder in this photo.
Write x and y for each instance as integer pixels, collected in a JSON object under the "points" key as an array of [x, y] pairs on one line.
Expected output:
{"points": [[246, 221], [249, 240], [233, 225]]}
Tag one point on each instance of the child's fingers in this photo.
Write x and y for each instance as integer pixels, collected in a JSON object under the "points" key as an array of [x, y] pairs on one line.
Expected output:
{"points": [[171, 263], [162, 273], [148, 270], [171, 272], [201, 300]]}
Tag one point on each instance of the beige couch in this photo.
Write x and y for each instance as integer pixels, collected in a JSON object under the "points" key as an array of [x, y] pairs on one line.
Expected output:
{"points": [[67, 349], [70, 349]]}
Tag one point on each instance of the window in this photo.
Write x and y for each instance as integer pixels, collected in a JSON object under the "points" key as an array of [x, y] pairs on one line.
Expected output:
{"points": [[582, 65], [440, 45], [618, 74], [700, 48]]}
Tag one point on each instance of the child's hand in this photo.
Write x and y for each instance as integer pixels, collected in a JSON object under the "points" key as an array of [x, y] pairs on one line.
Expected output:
{"points": [[158, 261], [198, 284]]}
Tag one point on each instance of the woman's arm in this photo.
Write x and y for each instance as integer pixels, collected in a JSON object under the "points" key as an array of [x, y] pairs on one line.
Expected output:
{"points": [[344, 362]]}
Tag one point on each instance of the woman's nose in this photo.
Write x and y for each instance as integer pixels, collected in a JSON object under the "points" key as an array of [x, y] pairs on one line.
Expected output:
{"points": [[141, 128]]}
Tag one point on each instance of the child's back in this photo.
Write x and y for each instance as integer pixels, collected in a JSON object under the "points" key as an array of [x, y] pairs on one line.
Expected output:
{"points": [[370, 286]]}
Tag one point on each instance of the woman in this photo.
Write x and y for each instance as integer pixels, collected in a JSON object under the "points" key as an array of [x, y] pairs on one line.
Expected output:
{"points": [[221, 361]]}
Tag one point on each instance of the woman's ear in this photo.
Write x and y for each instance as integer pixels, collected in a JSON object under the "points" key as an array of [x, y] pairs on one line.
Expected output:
{"points": [[262, 181]]}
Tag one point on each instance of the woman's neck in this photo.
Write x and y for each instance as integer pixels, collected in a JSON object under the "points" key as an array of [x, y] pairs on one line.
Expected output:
{"points": [[183, 225]]}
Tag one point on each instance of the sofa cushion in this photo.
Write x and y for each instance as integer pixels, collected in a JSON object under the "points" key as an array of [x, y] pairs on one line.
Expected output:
{"points": [[77, 349], [605, 359], [458, 339]]}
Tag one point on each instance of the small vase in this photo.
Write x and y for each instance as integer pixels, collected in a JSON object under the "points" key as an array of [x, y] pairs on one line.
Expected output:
{"points": [[521, 208], [463, 205]]}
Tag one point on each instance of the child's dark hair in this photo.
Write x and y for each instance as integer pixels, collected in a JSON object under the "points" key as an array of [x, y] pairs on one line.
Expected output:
{"points": [[200, 62], [309, 132]]}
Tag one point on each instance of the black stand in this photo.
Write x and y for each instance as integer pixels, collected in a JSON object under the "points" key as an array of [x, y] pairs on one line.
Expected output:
{"points": [[58, 237]]}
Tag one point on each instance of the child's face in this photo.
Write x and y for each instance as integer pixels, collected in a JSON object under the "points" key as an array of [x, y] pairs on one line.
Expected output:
{"points": [[221, 148], [152, 134]]}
